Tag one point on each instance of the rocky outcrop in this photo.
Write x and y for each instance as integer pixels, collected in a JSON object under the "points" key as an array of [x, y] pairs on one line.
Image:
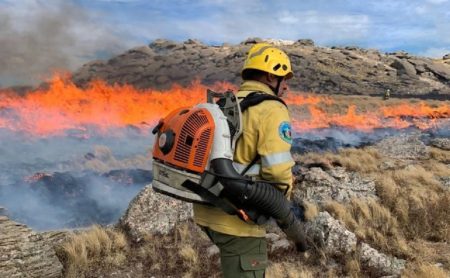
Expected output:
{"points": [[404, 147], [341, 70], [24, 253], [151, 213], [441, 143], [316, 184]]}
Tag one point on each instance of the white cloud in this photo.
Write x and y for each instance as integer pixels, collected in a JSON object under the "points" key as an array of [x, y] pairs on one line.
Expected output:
{"points": [[437, 1], [435, 52], [287, 17]]}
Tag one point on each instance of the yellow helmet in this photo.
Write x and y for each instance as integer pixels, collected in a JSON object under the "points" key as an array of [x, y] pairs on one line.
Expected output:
{"points": [[266, 57]]}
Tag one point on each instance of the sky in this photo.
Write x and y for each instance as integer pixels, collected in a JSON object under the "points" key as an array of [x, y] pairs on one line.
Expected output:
{"points": [[64, 34]]}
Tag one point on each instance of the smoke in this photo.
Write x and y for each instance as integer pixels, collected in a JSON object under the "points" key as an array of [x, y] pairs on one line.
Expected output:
{"points": [[38, 38], [74, 181], [335, 138], [68, 200], [66, 181]]}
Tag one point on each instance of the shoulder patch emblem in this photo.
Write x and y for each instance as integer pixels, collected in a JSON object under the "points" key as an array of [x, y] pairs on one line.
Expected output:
{"points": [[284, 130]]}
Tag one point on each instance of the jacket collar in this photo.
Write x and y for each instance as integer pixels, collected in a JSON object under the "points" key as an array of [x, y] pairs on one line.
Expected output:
{"points": [[249, 86]]}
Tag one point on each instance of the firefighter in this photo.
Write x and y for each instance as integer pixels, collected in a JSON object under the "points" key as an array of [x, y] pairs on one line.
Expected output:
{"points": [[387, 94], [266, 135]]}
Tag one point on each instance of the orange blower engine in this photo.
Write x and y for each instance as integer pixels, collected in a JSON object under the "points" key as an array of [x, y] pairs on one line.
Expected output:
{"points": [[188, 139]]}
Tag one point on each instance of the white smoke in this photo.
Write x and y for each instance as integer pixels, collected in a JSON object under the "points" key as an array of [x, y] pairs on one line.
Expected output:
{"points": [[70, 163], [40, 37]]}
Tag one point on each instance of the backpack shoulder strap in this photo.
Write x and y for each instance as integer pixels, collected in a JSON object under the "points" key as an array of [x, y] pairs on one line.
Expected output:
{"points": [[250, 100], [256, 98]]}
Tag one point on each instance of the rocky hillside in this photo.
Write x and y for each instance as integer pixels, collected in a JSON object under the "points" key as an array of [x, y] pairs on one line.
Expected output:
{"points": [[335, 70], [380, 211]]}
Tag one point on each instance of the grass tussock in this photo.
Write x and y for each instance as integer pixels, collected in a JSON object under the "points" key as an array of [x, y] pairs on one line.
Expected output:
{"points": [[181, 253], [413, 194], [418, 201], [94, 246], [371, 222], [352, 267], [440, 155], [424, 271], [292, 270], [413, 206], [311, 210], [365, 160]]}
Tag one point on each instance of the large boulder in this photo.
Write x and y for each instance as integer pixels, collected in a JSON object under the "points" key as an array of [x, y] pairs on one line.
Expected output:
{"points": [[24, 253], [151, 213], [317, 185]]}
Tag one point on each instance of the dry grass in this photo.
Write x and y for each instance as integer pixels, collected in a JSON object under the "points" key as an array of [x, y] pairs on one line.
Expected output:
{"points": [[289, 270], [440, 155], [341, 103], [94, 246], [413, 207], [418, 201], [181, 253], [365, 160], [311, 210], [372, 223], [424, 271]]}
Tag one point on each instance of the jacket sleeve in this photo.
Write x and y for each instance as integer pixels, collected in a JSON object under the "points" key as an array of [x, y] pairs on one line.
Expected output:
{"points": [[274, 145]]}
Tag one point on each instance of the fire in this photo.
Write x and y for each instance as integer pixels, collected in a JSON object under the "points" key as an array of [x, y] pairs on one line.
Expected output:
{"points": [[36, 177], [64, 107]]}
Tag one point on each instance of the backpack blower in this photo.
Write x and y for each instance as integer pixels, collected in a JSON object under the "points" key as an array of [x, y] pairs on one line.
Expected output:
{"points": [[193, 161]]}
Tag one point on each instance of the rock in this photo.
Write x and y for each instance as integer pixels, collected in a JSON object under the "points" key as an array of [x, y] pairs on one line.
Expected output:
{"points": [[163, 44], [400, 54], [404, 67], [212, 251], [281, 245], [272, 237], [441, 143], [252, 41], [337, 240], [279, 42], [151, 213], [380, 264], [445, 182], [24, 253], [195, 42], [403, 146], [440, 70], [340, 70], [317, 185], [305, 42], [446, 57]]}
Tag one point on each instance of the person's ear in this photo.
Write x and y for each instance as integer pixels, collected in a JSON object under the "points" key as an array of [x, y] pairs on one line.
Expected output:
{"points": [[270, 77]]}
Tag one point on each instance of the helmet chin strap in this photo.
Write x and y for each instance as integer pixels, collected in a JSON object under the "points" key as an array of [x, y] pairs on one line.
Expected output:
{"points": [[276, 89]]}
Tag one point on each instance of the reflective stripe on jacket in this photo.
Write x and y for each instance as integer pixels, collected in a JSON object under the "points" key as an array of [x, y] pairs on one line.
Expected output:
{"points": [[263, 135]]}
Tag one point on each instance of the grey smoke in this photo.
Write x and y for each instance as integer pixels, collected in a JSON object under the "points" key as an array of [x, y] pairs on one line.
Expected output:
{"points": [[97, 198], [38, 38], [100, 198]]}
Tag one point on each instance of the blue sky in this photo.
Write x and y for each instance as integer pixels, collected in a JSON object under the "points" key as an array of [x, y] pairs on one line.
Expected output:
{"points": [[420, 27], [48, 34]]}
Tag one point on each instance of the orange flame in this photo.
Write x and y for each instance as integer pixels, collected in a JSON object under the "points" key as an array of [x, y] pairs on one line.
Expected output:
{"points": [[63, 107]]}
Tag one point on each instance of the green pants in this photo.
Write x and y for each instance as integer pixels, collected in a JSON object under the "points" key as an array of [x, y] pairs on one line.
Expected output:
{"points": [[240, 256]]}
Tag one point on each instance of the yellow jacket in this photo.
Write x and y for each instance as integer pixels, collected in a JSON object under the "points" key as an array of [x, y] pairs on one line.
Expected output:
{"points": [[266, 131]]}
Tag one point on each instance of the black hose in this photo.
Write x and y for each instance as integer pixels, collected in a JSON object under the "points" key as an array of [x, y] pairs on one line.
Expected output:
{"points": [[259, 196]]}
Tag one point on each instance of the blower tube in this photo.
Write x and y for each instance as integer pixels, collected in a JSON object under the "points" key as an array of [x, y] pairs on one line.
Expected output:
{"points": [[263, 197]]}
